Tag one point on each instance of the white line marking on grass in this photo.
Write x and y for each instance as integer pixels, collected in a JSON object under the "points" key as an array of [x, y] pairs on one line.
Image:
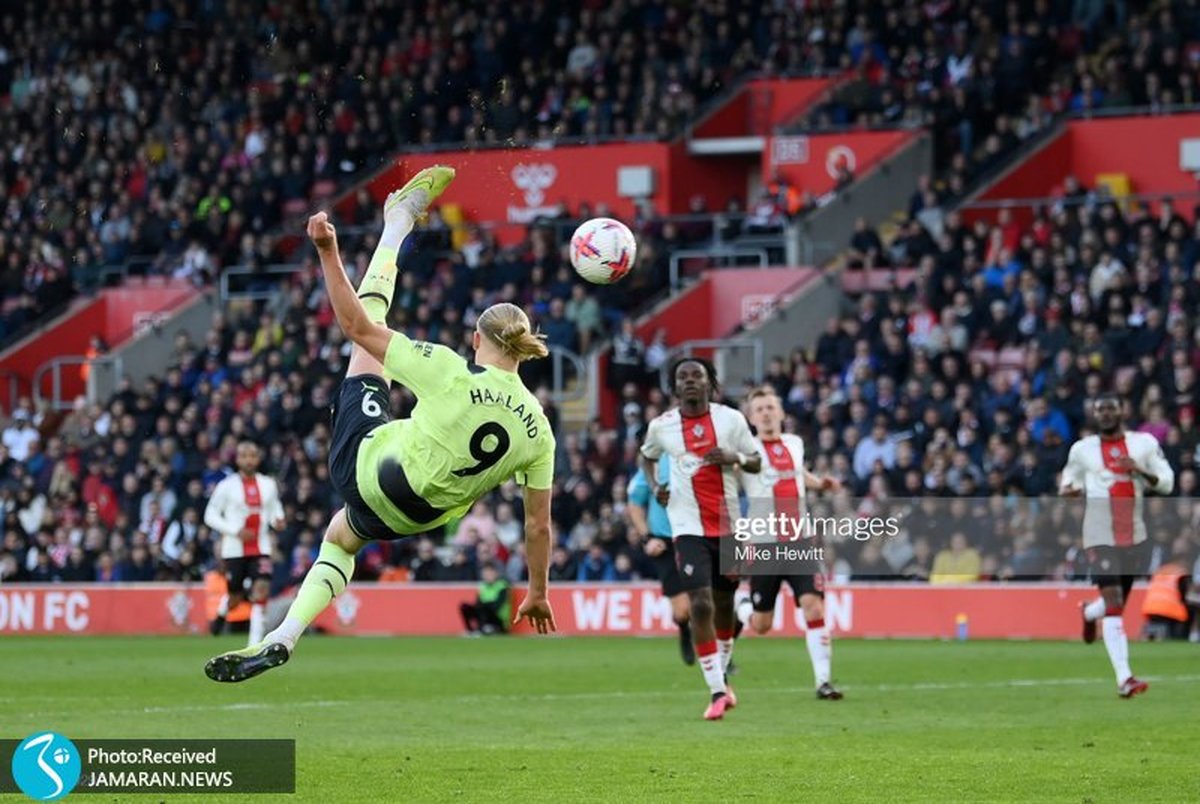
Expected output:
{"points": [[238, 707], [932, 686], [1013, 682]]}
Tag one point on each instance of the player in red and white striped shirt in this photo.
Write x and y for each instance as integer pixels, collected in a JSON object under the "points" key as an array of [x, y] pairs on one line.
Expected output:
{"points": [[242, 509], [779, 489], [1113, 470], [703, 441]]}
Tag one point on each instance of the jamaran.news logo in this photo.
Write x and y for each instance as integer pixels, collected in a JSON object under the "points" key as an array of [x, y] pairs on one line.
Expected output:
{"points": [[46, 766]]}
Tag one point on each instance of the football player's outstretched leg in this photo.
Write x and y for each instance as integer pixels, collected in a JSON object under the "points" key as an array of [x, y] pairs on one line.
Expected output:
{"points": [[483, 427]]}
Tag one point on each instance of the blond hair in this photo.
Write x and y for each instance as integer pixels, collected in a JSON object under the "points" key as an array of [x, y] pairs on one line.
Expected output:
{"points": [[760, 392], [507, 326]]}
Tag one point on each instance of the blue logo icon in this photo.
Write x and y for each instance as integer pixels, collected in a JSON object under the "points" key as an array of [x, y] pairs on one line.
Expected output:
{"points": [[46, 766]]}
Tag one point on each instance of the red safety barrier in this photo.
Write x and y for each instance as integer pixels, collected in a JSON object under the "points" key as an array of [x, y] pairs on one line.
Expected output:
{"points": [[992, 611]]}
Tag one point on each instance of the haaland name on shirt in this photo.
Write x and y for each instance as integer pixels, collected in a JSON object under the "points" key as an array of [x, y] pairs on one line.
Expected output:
{"points": [[486, 397]]}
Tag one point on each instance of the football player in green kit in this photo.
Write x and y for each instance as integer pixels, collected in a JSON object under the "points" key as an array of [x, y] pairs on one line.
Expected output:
{"points": [[474, 426]]}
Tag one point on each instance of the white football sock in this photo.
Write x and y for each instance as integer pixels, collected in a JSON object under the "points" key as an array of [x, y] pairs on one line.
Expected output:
{"points": [[394, 232], [1117, 646], [714, 672], [223, 606], [820, 651], [1094, 610], [258, 616], [288, 632], [725, 649]]}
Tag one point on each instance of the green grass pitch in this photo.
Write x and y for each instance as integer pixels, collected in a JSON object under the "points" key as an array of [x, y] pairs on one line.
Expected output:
{"points": [[590, 719]]}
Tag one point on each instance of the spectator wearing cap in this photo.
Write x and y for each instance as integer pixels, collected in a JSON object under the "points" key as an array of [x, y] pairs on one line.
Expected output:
{"points": [[632, 427]]}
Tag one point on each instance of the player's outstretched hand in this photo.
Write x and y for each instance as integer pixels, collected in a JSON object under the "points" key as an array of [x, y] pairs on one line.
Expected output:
{"points": [[831, 484], [536, 608], [322, 233]]}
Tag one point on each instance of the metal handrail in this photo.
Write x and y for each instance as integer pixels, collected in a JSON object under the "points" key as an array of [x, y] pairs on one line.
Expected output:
{"points": [[718, 253], [558, 382], [244, 270], [54, 368], [718, 345]]}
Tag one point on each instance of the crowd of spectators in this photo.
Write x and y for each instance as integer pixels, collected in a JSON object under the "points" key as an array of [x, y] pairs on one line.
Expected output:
{"points": [[984, 77], [117, 491], [967, 384], [973, 380], [175, 136]]}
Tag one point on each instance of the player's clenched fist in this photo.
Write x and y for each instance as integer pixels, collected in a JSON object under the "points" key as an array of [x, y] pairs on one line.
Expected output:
{"points": [[322, 233]]}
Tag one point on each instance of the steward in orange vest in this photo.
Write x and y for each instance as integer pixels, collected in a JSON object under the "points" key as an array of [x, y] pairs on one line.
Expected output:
{"points": [[1164, 601]]}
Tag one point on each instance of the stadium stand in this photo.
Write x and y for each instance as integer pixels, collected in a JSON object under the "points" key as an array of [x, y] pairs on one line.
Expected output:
{"points": [[968, 383], [122, 155]]}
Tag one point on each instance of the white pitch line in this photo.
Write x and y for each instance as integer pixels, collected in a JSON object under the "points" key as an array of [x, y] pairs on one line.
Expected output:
{"points": [[236, 707], [580, 696]]}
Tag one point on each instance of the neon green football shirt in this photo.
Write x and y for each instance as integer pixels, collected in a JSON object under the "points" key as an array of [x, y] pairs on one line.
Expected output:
{"points": [[473, 428]]}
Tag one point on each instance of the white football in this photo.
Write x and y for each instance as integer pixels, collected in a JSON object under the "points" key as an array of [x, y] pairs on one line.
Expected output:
{"points": [[603, 250]]}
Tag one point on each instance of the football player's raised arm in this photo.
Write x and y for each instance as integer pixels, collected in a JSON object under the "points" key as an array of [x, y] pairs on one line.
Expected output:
{"points": [[351, 315]]}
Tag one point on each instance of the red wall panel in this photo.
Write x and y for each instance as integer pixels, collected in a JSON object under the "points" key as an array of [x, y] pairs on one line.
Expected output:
{"points": [[68, 337], [1037, 175], [731, 120], [114, 315], [763, 104], [1144, 148], [786, 99], [993, 611], [717, 178], [809, 162], [510, 187]]}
